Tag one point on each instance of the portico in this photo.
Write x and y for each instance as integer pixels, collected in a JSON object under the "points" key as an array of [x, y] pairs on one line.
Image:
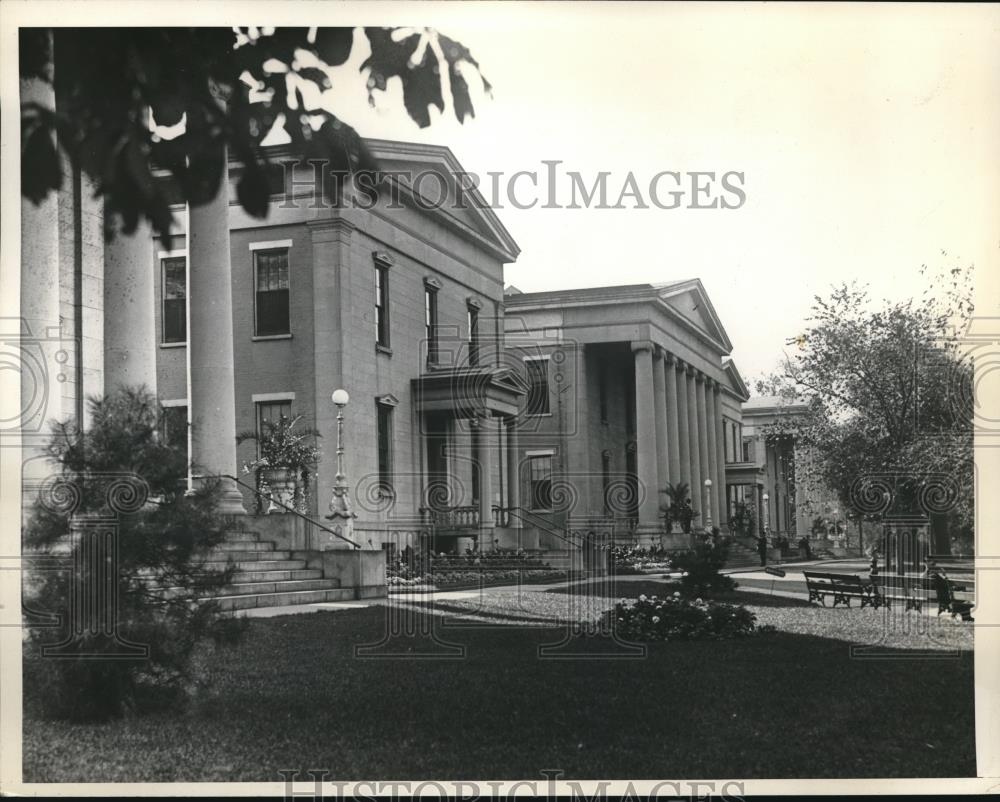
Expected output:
{"points": [[650, 392]]}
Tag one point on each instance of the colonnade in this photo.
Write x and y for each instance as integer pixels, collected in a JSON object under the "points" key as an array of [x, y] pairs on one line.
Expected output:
{"points": [[679, 435]]}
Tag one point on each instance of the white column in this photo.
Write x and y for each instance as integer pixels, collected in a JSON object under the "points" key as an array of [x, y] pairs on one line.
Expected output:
{"points": [[130, 271], [703, 453], [697, 498], [48, 351], [645, 433], [713, 450], [660, 413], [684, 431], [720, 450], [673, 427], [482, 440], [513, 474], [210, 344]]}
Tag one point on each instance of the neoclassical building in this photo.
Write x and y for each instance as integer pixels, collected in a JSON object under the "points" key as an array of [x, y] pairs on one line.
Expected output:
{"points": [[631, 388], [475, 418]]}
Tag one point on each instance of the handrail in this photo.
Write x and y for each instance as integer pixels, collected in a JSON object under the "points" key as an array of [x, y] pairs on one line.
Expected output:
{"points": [[518, 513], [273, 500]]}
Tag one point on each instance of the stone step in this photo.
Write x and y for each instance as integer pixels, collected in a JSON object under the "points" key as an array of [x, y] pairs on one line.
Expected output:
{"points": [[283, 586], [262, 565], [248, 601], [241, 537], [244, 545], [277, 576], [217, 555]]}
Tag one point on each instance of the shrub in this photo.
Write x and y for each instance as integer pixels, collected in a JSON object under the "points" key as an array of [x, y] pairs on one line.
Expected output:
{"points": [[161, 569], [677, 618], [699, 568]]}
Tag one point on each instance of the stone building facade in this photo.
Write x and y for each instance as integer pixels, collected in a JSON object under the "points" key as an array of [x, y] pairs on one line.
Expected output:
{"points": [[630, 390], [475, 418]]}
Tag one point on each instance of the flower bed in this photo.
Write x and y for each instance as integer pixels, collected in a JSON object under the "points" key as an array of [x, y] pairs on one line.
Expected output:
{"points": [[676, 618], [442, 580]]}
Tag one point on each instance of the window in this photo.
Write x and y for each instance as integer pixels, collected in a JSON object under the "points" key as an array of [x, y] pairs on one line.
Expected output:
{"points": [[606, 480], [383, 437], [473, 335], [271, 295], [431, 323], [382, 305], [538, 385], [603, 393], [746, 449], [540, 471], [271, 412], [174, 270], [175, 426]]}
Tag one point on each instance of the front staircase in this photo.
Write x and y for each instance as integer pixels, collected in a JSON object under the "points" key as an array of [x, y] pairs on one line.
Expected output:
{"points": [[742, 556], [266, 577]]}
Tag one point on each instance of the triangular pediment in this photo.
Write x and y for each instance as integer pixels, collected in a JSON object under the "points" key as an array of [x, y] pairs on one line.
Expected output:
{"points": [[445, 189], [689, 300], [735, 381]]}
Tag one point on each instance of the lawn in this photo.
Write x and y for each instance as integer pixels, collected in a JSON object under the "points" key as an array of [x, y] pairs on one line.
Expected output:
{"points": [[293, 696]]}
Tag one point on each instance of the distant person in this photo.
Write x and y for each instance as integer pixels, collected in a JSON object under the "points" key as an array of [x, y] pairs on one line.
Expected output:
{"points": [[874, 564], [762, 549], [804, 549]]}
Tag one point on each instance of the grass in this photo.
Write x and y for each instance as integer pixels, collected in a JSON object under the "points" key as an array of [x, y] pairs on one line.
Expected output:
{"points": [[293, 696]]}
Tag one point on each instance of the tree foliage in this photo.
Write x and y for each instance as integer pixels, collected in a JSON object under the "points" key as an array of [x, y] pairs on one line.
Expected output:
{"points": [[886, 387], [161, 548], [108, 80]]}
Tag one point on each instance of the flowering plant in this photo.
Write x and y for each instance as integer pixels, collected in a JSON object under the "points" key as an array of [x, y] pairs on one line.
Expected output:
{"points": [[650, 618], [281, 445]]}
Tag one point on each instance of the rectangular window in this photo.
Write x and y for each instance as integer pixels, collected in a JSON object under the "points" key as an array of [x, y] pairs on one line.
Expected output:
{"points": [[383, 436], [174, 270], [382, 306], [606, 480], [746, 450], [431, 324], [271, 292], [603, 393], [473, 336], [538, 386], [540, 471], [271, 412], [175, 427]]}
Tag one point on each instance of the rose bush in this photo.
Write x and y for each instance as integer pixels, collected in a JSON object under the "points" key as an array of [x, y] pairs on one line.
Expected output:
{"points": [[650, 618]]}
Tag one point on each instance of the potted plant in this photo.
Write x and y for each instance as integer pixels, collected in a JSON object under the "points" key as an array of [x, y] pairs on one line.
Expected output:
{"points": [[286, 457], [674, 510]]}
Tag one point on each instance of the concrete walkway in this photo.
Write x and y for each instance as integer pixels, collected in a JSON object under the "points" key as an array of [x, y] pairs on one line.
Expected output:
{"points": [[472, 593]]}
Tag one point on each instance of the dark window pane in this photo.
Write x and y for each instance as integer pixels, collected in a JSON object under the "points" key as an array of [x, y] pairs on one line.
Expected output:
{"points": [[538, 383], [272, 292], [174, 300], [384, 445]]}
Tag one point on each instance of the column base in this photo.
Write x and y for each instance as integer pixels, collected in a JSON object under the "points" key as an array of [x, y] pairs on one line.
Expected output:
{"points": [[230, 498]]}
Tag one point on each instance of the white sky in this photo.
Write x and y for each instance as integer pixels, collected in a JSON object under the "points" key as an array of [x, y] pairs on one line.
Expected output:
{"points": [[868, 136]]}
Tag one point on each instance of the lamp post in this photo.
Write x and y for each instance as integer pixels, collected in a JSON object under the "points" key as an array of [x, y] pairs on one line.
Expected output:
{"points": [[708, 506], [767, 515], [340, 504]]}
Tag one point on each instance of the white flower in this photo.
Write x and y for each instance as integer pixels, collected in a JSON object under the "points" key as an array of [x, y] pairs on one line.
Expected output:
{"points": [[642, 597], [656, 619], [677, 594]]}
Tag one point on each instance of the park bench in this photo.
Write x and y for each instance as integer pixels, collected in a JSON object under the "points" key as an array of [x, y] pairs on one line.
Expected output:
{"points": [[842, 587], [915, 591]]}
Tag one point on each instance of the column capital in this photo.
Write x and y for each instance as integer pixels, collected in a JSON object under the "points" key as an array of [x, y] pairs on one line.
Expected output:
{"points": [[690, 370], [642, 345], [668, 358], [657, 353]]}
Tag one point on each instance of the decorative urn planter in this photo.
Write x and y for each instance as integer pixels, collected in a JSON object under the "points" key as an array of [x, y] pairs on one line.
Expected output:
{"points": [[282, 483]]}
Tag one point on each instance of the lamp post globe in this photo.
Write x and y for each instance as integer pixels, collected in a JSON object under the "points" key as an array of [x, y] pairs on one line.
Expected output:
{"points": [[340, 398]]}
